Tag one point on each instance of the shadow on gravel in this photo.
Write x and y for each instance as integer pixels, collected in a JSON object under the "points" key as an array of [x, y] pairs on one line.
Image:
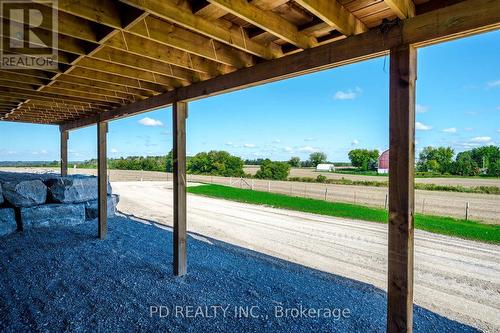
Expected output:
{"points": [[66, 280]]}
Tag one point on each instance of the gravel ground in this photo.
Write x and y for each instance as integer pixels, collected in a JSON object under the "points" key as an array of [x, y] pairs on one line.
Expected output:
{"points": [[456, 278], [64, 279]]}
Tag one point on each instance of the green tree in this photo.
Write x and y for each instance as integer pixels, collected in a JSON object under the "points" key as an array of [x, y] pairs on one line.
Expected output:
{"points": [[465, 165], [294, 162], [364, 159], [317, 158], [273, 170], [494, 168], [217, 163], [486, 155], [436, 160]]}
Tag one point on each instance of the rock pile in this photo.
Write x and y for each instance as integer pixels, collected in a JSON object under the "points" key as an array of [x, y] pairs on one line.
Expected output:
{"points": [[37, 200]]}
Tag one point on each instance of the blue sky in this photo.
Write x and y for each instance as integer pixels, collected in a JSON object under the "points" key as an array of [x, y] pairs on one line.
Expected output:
{"points": [[334, 111]]}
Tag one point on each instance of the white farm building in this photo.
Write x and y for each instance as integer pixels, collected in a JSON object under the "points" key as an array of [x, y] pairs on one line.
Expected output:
{"points": [[325, 167]]}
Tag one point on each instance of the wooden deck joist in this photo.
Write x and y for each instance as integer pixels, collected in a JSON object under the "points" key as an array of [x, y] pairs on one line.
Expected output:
{"points": [[459, 20]]}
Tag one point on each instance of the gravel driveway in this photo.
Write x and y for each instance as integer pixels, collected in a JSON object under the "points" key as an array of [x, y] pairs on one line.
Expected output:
{"points": [[456, 278]]}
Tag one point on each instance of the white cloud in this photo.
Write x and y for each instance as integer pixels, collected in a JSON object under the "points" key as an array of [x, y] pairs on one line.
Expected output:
{"points": [[310, 139], [308, 149], [498, 130], [468, 129], [348, 94], [229, 143], [288, 149], [249, 145], [422, 127], [450, 130], [494, 83], [480, 139], [146, 121], [114, 150], [40, 152], [354, 142], [276, 141], [419, 108]]}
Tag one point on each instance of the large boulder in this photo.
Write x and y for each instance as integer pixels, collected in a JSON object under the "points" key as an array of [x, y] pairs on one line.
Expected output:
{"points": [[7, 221], [92, 211], [53, 215], [73, 189], [25, 193]]}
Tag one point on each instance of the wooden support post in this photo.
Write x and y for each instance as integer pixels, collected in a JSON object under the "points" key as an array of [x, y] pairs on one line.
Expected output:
{"points": [[403, 70], [102, 179], [179, 162], [64, 152]]}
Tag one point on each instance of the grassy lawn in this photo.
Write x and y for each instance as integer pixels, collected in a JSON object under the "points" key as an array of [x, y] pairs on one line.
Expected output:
{"points": [[437, 224]]}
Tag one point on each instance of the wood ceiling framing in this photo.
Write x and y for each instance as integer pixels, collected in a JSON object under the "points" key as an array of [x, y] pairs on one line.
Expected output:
{"points": [[112, 53]]}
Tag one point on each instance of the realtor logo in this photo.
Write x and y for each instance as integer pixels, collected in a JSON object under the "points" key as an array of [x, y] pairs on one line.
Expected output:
{"points": [[29, 34]]}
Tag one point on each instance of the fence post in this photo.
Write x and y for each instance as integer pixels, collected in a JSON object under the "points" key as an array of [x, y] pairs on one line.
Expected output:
{"points": [[423, 205], [268, 186], [385, 203], [466, 210], [355, 197], [252, 184], [326, 194]]}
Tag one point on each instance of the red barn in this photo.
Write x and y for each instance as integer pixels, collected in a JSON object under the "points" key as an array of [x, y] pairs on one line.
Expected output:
{"points": [[383, 162]]}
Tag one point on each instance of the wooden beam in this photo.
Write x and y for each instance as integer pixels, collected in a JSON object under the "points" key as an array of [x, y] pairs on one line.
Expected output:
{"points": [[403, 72], [336, 15], [144, 64], [403, 8], [90, 74], [102, 179], [463, 19], [64, 153], [170, 10], [160, 52], [68, 25], [267, 20], [179, 115], [188, 41], [104, 12], [46, 95]]}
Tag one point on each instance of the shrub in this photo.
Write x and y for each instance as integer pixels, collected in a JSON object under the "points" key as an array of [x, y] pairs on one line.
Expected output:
{"points": [[321, 179]]}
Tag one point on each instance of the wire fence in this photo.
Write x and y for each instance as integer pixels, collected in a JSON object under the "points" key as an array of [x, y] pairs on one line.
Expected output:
{"points": [[460, 205]]}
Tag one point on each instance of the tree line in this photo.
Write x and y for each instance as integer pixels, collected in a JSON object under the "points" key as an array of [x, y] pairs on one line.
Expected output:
{"points": [[481, 160], [439, 161]]}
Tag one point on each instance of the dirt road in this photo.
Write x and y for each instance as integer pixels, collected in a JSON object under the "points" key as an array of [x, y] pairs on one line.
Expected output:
{"points": [[456, 278]]}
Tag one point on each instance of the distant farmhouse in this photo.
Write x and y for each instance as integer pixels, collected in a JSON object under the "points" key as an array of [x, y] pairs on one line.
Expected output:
{"points": [[325, 167], [383, 162]]}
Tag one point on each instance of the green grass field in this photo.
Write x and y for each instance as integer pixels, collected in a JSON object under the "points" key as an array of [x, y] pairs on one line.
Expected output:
{"points": [[436, 224]]}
